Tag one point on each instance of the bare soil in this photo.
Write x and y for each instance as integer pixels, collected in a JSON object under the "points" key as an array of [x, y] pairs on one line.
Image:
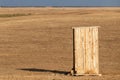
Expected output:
{"points": [[39, 46]]}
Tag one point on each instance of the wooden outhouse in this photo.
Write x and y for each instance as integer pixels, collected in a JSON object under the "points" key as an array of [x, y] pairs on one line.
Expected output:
{"points": [[85, 51]]}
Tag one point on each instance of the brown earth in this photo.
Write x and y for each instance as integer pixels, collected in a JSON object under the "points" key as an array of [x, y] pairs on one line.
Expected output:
{"points": [[39, 46]]}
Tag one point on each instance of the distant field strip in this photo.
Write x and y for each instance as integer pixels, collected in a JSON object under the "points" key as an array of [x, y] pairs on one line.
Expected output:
{"points": [[13, 15]]}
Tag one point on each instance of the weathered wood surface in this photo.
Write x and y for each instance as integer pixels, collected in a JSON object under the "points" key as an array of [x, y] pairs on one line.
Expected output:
{"points": [[85, 50]]}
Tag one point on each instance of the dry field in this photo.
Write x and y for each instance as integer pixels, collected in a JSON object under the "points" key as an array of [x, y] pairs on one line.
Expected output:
{"points": [[36, 43]]}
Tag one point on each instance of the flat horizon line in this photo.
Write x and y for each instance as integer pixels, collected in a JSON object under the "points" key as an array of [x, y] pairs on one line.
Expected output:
{"points": [[59, 6]]}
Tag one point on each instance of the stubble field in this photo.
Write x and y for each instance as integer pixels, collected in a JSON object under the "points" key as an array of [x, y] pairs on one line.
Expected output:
{"points": [[36, 43]]}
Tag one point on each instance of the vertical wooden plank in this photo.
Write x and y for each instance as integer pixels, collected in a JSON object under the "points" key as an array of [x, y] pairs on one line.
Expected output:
{"points": [[79, 51], [95, 51], [92, 53], [88, 51]]}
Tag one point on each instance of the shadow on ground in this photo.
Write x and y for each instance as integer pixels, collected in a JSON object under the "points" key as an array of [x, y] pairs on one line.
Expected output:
{"points": [[44, 70]]}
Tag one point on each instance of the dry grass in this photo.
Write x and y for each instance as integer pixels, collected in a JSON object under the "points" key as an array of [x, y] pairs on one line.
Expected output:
{"points": [[39, 46]]}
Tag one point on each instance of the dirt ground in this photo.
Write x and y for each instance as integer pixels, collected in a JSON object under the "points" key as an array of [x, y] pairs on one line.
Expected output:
{"points": [[39, 46]]}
